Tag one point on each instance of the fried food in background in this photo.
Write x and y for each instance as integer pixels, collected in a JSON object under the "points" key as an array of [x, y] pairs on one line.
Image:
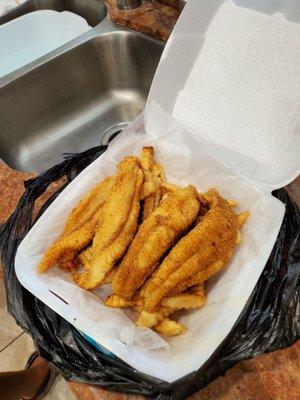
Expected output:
{"points": [[117, 225], [158, 232], [162, 265], [153, 179]]}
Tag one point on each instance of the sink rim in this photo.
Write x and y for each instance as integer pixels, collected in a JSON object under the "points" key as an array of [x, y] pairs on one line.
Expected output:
{"points": [[105, 26], [17, 10]]}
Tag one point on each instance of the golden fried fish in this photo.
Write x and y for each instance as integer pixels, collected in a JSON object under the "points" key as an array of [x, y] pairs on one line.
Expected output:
{"points": [[79, 230], [154, 238], [88, 206], [208, 246], [118, 224], [67, 247]]}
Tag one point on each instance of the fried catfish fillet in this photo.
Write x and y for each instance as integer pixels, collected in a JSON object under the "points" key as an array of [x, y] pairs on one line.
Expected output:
{"points": [[79, 230], [88, 206], [118, 224], [154, 238], [154, 176], [67, 247], [205, 248], [84, 259]]}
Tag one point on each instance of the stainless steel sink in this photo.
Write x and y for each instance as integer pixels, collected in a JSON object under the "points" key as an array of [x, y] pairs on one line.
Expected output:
{"points": [[76, 97], [93, 11]]}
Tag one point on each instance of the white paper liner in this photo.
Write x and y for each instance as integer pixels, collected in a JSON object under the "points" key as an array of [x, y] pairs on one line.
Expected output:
{"points": [[228, 292]]}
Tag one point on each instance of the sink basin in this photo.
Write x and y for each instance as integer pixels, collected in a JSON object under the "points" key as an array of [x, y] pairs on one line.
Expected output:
{"points": [[93, 11], [77, 98]]}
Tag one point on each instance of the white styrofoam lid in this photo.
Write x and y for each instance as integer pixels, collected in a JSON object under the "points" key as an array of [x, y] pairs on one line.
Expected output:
{"points": [[230, 73]]}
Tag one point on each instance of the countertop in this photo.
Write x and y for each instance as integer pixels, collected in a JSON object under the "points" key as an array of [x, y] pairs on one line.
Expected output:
{"points": [[272, 376]]}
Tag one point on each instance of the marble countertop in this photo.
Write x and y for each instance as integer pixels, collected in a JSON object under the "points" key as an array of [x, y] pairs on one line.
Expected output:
{"points": [[152, 18], [272, 376]]}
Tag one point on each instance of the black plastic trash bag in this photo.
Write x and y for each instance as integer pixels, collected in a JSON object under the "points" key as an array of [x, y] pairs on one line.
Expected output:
{"points": [[270, 320]]}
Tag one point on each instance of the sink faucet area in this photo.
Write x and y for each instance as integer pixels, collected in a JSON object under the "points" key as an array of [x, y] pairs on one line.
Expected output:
{"points": [[76, 98], [79, 96]]}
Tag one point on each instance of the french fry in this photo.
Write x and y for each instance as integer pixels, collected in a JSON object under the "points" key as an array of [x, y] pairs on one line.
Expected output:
{"points": [[117, 302], [184, 301], [233, 203], [153, 178], [238, 238], [158, 171], [148, 320], [168, 327], [242, 218]]}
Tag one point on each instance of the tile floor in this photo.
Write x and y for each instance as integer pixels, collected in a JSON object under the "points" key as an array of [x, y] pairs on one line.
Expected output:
{"points": [[16, 346]]}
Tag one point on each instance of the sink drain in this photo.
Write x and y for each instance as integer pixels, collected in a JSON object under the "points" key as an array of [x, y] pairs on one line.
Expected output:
{"points": [[112, 132]]}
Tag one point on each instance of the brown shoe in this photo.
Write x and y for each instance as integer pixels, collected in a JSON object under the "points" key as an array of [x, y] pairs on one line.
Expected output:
{"points": [[48, 383]]}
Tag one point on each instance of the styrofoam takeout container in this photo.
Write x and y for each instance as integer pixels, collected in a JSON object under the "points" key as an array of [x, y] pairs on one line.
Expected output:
{"points": [[189, 156], [33, 35]]}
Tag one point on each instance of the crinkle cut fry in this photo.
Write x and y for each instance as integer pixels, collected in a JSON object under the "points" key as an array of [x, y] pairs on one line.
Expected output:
{"points": [[150, 183], [192, 298], [154, 238], [148, 320], [212, 240], [118, 224], [163, 325], [168, 327], [117, 302]]}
